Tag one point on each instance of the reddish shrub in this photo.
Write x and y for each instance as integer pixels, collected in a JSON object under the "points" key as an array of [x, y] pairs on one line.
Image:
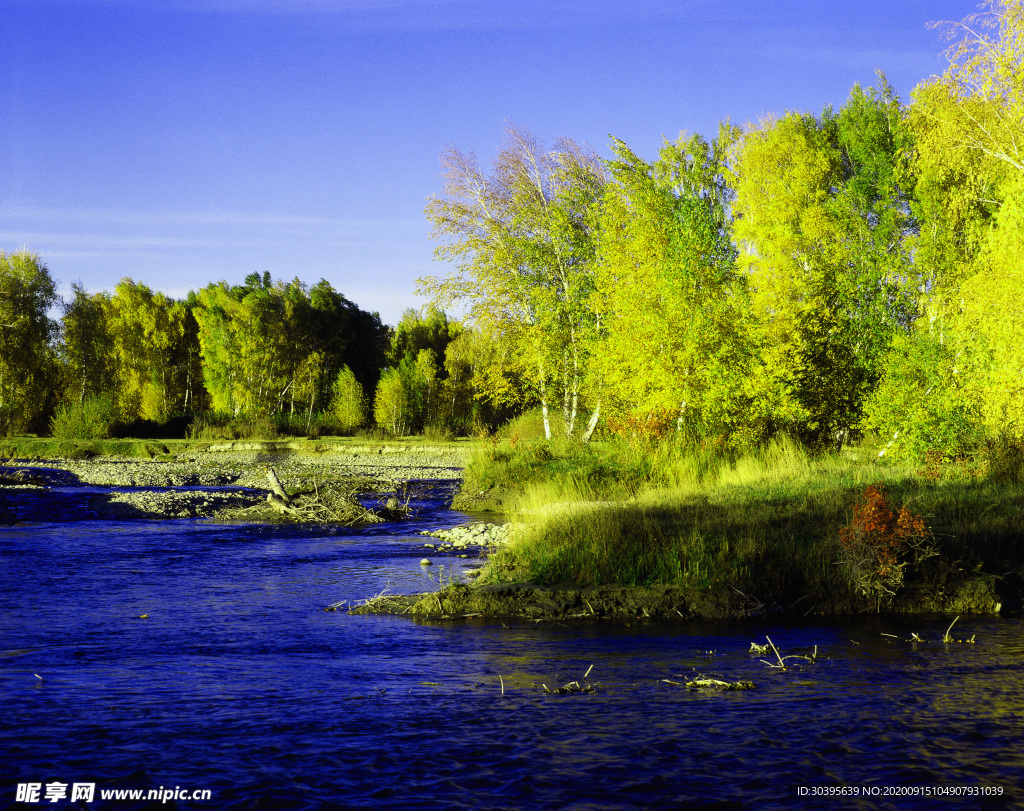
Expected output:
{"points": [[880, 542]]}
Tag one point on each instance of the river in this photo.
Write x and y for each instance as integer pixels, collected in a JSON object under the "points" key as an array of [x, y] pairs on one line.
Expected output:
{"points": [[238, 683]]}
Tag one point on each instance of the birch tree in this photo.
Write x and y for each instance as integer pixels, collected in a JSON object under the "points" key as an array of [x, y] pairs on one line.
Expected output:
{"points": [[521, 240], [668, 294], [969, 127]]}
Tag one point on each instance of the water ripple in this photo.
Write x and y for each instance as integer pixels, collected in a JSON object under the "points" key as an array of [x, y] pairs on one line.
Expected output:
{"points": [[238, 681]]}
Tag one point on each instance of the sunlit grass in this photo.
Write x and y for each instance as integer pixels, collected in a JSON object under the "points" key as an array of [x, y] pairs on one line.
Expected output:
{"points": [[765, 523]]}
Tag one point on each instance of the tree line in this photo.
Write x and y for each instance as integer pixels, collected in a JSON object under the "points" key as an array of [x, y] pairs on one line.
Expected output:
{"points": [[297, 357], [823, 275]]}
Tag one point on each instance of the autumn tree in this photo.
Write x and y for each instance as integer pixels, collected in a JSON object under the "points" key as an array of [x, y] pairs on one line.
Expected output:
{"points": [[521, 240], [969, 129]]}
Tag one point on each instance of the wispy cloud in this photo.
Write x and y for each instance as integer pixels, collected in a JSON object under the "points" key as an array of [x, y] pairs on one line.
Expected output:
{"points": [[66, 233], [435, 14], [211, 217]]}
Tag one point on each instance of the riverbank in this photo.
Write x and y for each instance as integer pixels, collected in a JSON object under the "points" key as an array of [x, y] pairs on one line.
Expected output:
{"points": [[978, 595], [671, 532], [585, 541]]}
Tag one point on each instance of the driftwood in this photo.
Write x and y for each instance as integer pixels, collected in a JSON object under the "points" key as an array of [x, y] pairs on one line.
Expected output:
{"points": [[330, 505], [578, 686], [21, 477], [277, 488], [705, 683], [755, 648], [946, 638]]}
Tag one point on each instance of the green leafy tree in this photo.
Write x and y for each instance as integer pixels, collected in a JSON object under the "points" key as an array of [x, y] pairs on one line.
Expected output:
{"points": [[144, 338], [248, 363], [27, 362], [391, 407], [667, 293], [824, 222], [86, 348], [522, 243], [923, 402], [969, 124], [349, 402], [479, 382], [276, 348]]}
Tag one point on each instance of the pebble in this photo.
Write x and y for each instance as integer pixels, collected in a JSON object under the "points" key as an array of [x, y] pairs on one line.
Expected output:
{"points": [[245, 471], [248, 468], [474, 534]]}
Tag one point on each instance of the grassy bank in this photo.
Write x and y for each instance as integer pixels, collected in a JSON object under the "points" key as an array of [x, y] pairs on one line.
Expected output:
{"points": [[767, 524]]}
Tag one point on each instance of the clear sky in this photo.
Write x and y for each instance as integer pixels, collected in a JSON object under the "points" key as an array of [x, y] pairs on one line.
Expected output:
{"points": [[181, 142]]}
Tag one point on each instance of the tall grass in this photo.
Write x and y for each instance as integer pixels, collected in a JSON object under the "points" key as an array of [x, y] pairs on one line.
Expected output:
{"points": [[765, 523]]}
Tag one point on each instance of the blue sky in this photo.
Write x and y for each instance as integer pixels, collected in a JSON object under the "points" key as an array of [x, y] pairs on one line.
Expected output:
{"points": [[181, 142]]}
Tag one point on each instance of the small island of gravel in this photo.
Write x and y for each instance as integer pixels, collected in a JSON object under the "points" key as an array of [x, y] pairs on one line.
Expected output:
{"points": [[229, 481]]}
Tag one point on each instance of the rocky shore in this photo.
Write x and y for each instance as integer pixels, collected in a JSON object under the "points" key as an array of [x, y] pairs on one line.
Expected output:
{"points": [[245, 464], [229, 481]]}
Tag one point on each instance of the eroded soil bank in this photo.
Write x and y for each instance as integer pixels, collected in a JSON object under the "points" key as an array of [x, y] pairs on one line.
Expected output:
{"points": [[982, 595]]}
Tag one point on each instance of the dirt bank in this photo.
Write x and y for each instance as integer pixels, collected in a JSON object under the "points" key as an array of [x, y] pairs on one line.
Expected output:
{"points": [[986, 595]]}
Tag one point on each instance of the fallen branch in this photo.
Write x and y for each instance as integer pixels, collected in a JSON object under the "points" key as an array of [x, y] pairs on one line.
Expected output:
{"points": [[573, 686], [755, 648], [278, 489], [706, 683]]}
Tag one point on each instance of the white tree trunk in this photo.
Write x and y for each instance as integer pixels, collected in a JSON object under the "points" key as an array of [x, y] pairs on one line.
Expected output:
{"points": [[592, 424], [544, 402]]}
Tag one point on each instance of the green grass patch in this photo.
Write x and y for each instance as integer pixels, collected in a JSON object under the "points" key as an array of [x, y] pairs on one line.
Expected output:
{"points": [[766, 523]]}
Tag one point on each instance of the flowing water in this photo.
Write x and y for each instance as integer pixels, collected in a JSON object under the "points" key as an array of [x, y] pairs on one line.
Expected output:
{"points": [[240, 683]]}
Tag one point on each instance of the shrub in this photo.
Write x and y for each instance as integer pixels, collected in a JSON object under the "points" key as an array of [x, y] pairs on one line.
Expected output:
{"points": [[880, 542], [921, 403], [93, 418], [439, 432], [1003, 458], [221, 426], [648, 429], [530, 426]]}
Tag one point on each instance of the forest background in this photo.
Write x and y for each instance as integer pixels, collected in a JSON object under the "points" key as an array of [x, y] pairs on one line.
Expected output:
{"points": [[824, 276]]}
